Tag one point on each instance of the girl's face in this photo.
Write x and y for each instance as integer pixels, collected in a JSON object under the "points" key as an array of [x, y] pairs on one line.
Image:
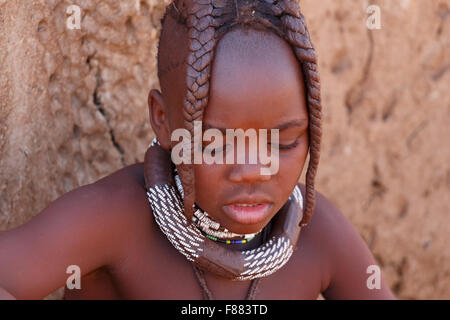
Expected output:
{"points": [[253, 87]]}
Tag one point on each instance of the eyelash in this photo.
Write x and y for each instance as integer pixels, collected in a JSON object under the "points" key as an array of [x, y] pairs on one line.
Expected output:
{"points": [[291, 146], [210, 151]]}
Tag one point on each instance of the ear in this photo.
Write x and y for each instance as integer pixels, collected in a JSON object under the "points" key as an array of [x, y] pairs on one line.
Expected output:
{"points": [[159, 118]]}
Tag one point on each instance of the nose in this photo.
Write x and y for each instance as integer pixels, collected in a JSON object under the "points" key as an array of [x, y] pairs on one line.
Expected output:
{"points": [[245, 170], [247, 173]]}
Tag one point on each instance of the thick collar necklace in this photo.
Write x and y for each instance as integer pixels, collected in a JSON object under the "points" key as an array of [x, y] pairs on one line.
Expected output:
{"points": [[209, 227], [166, 202]]}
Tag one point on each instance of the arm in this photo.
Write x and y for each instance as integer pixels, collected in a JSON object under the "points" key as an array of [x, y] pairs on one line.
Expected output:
{"points": [[4, 295], [76, 229], [348, 257]]}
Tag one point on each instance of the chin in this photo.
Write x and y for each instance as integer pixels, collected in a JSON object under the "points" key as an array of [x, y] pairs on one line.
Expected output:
{"points": [[245, 228]]}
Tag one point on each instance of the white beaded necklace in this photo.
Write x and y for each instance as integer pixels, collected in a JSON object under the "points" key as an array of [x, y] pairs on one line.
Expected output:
{"points": [[166, 204], [213, 229]]}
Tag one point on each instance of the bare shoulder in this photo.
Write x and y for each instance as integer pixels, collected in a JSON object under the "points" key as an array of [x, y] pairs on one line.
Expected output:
{"points": [[324, 228], [124, 187], [343, 251], [125, 199], [89, 226], [328, 229], [327, 220], [120, 196], [122, 179]]}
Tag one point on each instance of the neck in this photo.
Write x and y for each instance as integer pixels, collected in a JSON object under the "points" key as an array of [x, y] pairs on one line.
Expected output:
{"points": [[253, 244]]}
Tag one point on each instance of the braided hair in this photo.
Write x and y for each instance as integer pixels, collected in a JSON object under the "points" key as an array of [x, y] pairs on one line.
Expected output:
{"points": [[206, 22]]}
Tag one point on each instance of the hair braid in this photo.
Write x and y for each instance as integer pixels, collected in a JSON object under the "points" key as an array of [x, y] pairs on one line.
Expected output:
{"points": [[296, 32], [197, 16]]}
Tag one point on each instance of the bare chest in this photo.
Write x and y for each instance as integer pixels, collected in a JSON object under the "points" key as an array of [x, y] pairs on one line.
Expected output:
{"points": [[156, 270]]}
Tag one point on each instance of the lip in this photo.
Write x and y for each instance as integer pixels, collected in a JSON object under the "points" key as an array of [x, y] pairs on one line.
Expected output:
{"points": [[250, 214]]}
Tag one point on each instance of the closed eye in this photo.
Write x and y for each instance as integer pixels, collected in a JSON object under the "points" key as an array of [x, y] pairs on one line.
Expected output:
{"points": [[287, 147], [212, 150]]}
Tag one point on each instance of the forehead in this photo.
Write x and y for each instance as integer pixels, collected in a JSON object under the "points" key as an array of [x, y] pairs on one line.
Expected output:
{"points": [[255, 71]]}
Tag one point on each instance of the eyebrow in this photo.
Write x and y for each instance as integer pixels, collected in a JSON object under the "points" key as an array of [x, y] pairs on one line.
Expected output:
{"points": [[284, 126]]}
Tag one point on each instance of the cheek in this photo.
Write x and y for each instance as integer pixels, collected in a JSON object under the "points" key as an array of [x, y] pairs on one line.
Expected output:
{"points": [[292, 161], [206, 183]]}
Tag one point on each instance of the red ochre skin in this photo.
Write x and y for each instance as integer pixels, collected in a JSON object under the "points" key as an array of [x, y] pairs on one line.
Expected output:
{"points": [[108, 230]]}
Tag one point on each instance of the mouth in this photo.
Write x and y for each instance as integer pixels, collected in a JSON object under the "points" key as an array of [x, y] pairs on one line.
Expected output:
{"points": [[247, 213]]}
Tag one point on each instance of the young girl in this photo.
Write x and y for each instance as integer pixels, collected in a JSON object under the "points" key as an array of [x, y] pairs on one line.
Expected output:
{"points": [[156, 230]]}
